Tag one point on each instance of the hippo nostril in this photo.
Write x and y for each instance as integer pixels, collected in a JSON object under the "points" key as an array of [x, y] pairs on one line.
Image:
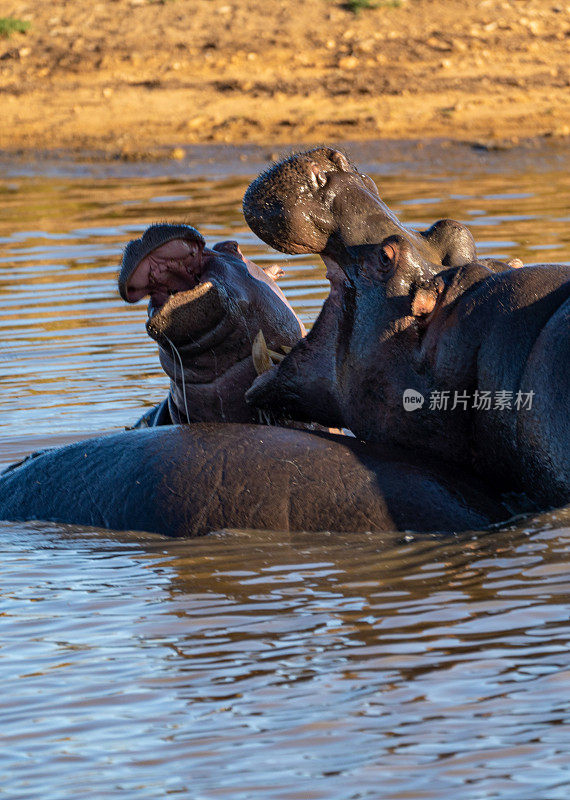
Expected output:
{"points": [[340, 161], [318, 177]]}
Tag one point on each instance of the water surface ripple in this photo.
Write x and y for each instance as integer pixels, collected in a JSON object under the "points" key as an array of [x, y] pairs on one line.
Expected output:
{"points": [[248, 664], [278, 666]]}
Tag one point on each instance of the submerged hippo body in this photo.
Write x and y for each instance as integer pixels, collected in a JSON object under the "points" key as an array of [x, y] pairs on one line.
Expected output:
{"points": [[498, 345], [206, 308], [306, 204], [188, 480]]}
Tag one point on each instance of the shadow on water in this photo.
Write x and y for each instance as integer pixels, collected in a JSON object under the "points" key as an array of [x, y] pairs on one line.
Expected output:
{"points": [[247, 664]]}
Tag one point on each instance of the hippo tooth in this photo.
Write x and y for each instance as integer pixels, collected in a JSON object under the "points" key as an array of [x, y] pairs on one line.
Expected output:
{"points": [[261, 354], [276, 357]]}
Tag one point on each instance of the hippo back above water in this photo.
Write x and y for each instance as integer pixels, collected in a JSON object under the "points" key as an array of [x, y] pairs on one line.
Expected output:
{"points": [[189, 480]]}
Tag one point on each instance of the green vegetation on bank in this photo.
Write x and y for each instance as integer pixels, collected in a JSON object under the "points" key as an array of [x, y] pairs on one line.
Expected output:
{"points": [[356, 6], [10, 25]]}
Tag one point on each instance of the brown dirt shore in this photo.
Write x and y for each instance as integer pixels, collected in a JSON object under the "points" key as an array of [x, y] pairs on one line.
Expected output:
{"points": [[143, 78]]}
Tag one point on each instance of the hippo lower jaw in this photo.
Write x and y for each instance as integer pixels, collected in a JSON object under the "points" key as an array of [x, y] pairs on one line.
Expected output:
{"points": [[194, 320]]}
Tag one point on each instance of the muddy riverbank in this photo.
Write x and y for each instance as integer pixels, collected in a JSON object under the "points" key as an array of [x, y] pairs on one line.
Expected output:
{"points": [[139, 79]]}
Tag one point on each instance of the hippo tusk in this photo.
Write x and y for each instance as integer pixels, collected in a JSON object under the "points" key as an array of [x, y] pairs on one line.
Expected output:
{"points": [[263, 357], [260, 354]]}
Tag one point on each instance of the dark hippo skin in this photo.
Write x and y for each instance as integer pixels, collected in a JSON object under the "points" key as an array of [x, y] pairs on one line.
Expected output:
{"points": [[466, 330], [206, 307], [188, 480], [298, 203], [309, 203]]}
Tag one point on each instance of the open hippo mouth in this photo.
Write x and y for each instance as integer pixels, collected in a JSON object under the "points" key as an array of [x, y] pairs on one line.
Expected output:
{"points": [[168, 259], [207, 309], [172, 266]]}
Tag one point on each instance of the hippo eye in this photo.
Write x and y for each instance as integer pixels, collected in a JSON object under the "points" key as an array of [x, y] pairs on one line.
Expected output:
{"points": [[387, 257]]}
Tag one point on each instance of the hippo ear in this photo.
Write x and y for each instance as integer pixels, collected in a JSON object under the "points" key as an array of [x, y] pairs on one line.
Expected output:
{"points": [[230, 246], [274, 272], [425, 297]]}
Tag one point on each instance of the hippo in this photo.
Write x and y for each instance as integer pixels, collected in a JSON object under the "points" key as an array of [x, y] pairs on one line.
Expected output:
{"points": [[206, 307], [304, 204], [189, 480], [489, 353], [405, 322], [297, 203]]}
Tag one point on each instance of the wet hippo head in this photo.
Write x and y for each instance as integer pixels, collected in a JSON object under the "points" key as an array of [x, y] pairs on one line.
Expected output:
{"points": [[387, 280], [395, 287], [390, 294], [206, 307], [392, 298], [318, 202], [447, 340], [300, 203]]}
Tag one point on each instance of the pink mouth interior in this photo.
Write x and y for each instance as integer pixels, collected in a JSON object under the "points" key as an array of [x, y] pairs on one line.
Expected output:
{"points": [[175, 266]]}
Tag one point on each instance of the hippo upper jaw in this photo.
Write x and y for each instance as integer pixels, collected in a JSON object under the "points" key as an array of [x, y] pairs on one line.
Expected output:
{"points": [[291, 205], [298, 204]]}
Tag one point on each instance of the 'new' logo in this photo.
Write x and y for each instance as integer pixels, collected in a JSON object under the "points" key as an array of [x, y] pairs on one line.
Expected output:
{"points": [[412, 400]]}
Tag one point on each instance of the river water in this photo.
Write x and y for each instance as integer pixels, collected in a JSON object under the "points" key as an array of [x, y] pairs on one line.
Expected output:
{"points": [[255, 665]]}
